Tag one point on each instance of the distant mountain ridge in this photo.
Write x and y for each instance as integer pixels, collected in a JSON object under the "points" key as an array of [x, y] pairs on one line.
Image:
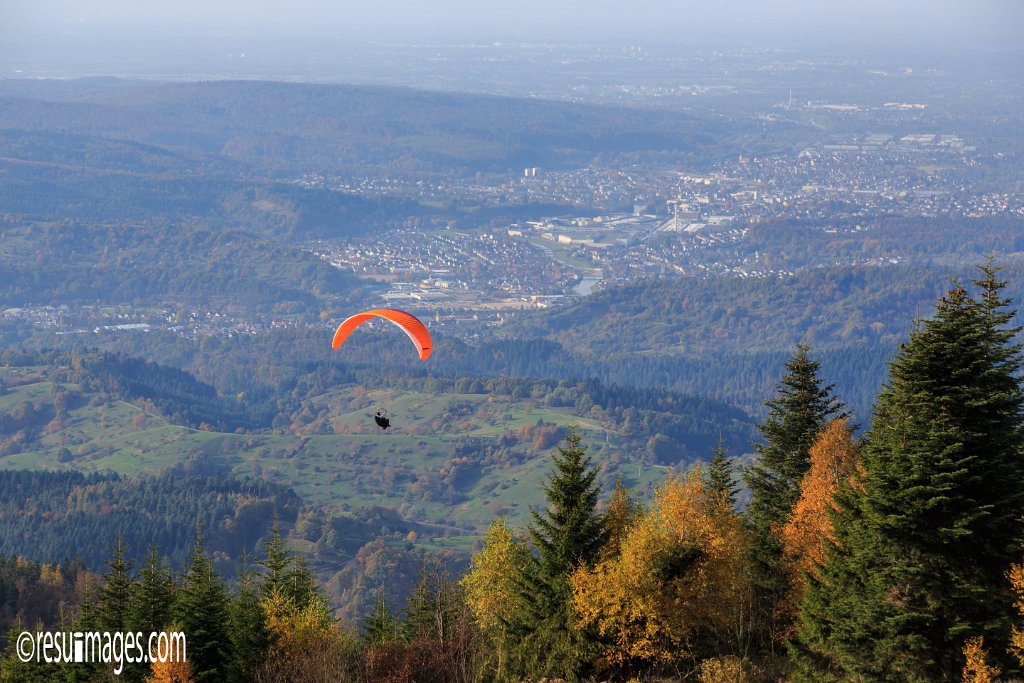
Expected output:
{"points": [[289, 128]]}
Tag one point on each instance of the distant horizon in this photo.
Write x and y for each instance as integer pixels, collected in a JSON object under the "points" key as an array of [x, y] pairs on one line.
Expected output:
{"points": [[80, 51], [993, 22]]}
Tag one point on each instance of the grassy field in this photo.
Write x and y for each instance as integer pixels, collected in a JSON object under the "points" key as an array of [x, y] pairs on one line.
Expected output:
{"points": [[428, 465]]}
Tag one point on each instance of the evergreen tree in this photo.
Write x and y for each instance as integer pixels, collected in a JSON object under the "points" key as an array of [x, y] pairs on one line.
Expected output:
{"points": [[149, 608], [795, 418], [545, 634], [380, 627], [434, 609], [201, 611], [719, 475], [276, 562], [116, 593], [924, 542], [302, 588], [285, 573], [247, 628], [13, 670], [569, 531], [152, 600]]}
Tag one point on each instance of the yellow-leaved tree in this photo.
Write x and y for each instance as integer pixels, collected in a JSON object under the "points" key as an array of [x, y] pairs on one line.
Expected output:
{"points": [[170, 672], [306, 643], [976, 667], [1016, 576], [677, 589], [491, 589]]}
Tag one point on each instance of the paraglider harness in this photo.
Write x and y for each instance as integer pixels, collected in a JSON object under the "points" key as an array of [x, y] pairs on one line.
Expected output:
{"points": [[381, 418]]}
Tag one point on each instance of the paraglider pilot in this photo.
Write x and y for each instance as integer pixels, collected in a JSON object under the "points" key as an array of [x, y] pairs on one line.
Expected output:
{"points": [[381, 421]]}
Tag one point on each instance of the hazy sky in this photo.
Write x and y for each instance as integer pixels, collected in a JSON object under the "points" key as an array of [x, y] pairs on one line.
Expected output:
{"points": [[999, 20]]}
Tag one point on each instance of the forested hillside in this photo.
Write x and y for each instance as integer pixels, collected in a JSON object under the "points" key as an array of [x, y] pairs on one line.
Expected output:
{"points": [[286, 128], [59, 516]]}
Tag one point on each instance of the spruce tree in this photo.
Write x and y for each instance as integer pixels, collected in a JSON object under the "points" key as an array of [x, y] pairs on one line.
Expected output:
{"points": [[546, 640], [13, 670], [795, 417], [201, 612], [149, 608], [152, 599], [719, 475], [380, 627], [276, 562], [434, 609], [247, 628], [924, 540], [116, 593], [285, 573], [569, 531]]}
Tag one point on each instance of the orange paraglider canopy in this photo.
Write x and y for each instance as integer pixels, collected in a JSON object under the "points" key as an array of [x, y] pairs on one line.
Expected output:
{"points": [[408, 322]]}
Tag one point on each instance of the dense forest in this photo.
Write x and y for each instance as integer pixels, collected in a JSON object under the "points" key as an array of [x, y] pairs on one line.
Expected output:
{"points": [[58, 516], [896, 556]]}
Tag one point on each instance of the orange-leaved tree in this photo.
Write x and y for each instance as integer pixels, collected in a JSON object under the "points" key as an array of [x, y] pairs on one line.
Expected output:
{"points": [[833, 461], [172, 669]]}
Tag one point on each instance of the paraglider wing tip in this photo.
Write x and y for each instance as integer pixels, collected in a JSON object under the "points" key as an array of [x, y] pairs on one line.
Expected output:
{"points": [[413, 328]]}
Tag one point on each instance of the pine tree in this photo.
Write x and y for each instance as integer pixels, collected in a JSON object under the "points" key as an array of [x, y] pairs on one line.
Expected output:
{"points": [[795, 418], [13, 669], [276, 562], [719, 475], [302, 588], [201, 611], [150, 607], [569, 533], [923, 547]]}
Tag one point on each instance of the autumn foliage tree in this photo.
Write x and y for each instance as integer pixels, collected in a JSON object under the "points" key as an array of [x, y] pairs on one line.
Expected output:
{"points": [[976, 666], [171, 671], [674, 590], [492, 594], [833, 460], [619, 516], [307, 645]]}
